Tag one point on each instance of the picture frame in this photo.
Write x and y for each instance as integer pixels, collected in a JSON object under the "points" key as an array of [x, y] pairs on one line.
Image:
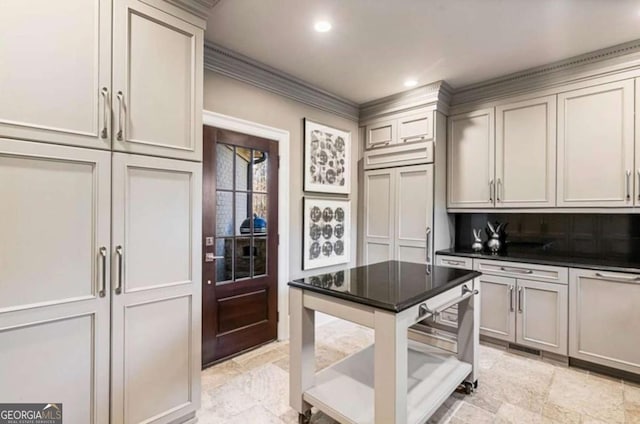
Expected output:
{"points": [[327, 159], [326, 232]]}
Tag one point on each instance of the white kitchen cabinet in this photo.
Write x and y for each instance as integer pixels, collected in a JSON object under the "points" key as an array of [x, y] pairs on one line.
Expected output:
{"points": [[636, 176], [415, 127], [497, 307], [526, 154], [471, 160], [56, 79], [542, 316], [157, 82], [604, 318], [380, 133], [54, 277], [400, 128], [156, 289], [398, 214], [596, 146]]}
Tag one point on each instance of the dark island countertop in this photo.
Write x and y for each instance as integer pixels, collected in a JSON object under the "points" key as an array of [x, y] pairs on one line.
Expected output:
{"points": [[392, 285], [545, 257]]}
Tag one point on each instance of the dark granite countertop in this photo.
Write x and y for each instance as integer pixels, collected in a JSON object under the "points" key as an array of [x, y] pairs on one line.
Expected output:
{"points": [[392, 285], [539, 256]]}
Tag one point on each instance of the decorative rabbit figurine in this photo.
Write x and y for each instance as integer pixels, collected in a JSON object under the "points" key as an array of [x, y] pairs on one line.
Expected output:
{"points": [[477, 243], [494, 244]]}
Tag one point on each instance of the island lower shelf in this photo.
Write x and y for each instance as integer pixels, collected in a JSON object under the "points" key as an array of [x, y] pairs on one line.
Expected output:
{"points": [[345, 391]]}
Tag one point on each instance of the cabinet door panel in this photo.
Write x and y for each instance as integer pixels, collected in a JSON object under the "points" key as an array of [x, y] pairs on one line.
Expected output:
{"points": [[415, 127], [596, 145], [60, 60], [470, 171], [157, 66], [160, 288], [604, 318], [379, 212], [497, 307], [381, 134], [526, 153], [542, 316], [414, 212], [54, 322]]}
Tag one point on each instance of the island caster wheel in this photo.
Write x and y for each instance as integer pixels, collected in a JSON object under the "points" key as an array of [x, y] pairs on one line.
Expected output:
{"points": [[475, 384], [304, 418], [468, 387]]}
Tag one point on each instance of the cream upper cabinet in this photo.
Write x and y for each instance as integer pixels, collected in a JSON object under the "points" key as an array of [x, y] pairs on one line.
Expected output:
{"points": [[379, 210], [596, 145], [604, 318], [398, 214], [156, 289], [415, 127], [56, 79], [470, 170], [54, 277], [526, 154], [414, 213], [380, 133], [157, 82]]}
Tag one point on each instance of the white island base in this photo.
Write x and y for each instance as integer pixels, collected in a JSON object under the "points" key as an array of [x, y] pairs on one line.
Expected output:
{"points": [[345, 391]]}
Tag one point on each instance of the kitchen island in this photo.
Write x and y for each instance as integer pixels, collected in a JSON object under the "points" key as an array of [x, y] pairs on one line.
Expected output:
{"points": [[398, 379]]}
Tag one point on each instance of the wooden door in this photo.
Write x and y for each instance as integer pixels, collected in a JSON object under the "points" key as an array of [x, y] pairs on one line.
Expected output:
{"points": [[379, 212], [543, 310], [157, 69], [470, 171], [156, 301], [497, 307], [413, 219], [54, 277], [56, 77], [596, 145], [240, 269], [526, 154], [604, 318]]}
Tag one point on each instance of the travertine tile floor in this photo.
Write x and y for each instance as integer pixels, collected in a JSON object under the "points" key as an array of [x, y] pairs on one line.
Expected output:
{"points": [[253, 388]]}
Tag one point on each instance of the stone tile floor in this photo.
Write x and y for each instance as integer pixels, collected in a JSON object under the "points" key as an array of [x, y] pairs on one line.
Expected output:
{"points": [[253, 388]]}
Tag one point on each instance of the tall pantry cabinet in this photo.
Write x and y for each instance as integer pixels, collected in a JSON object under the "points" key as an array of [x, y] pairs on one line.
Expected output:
{"points": [[100, 181]]}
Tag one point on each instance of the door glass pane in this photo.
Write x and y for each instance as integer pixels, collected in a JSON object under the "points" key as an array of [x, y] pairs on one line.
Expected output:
{"points": [[224, 213], [260, 256], [243, 223], [260, 171], [224, 267], [243, 257], [224, 167], [260, 223], [243, 166]]}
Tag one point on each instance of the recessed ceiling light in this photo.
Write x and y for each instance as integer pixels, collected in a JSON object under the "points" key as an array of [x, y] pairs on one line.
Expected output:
{"points": [[322, 26], [410, 83]]}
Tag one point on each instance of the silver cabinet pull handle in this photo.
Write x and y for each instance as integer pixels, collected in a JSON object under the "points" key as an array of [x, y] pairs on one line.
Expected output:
{"points": [[491, 191], [118, 287], [498, 190], [511, 308], [519, 271], [427, 235], [520, 307], [103, 280], [105, 112], [446, 261], [120, 96], [618, 278], [628, 184]]}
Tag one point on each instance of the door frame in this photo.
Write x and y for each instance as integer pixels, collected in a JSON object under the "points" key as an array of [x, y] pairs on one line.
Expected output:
{"points": [[227, 122]]}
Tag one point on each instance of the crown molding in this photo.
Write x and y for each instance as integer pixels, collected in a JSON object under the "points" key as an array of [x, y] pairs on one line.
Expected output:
{"points": [[235, 65], [437, 93], [199, 8], [601, 62]]}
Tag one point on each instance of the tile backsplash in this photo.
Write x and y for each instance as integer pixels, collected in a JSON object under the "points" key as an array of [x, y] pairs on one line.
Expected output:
{"points": [[612, 235]]}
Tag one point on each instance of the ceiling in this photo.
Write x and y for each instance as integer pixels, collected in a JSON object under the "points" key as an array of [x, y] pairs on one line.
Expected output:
{"points": [[375, 45]]}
